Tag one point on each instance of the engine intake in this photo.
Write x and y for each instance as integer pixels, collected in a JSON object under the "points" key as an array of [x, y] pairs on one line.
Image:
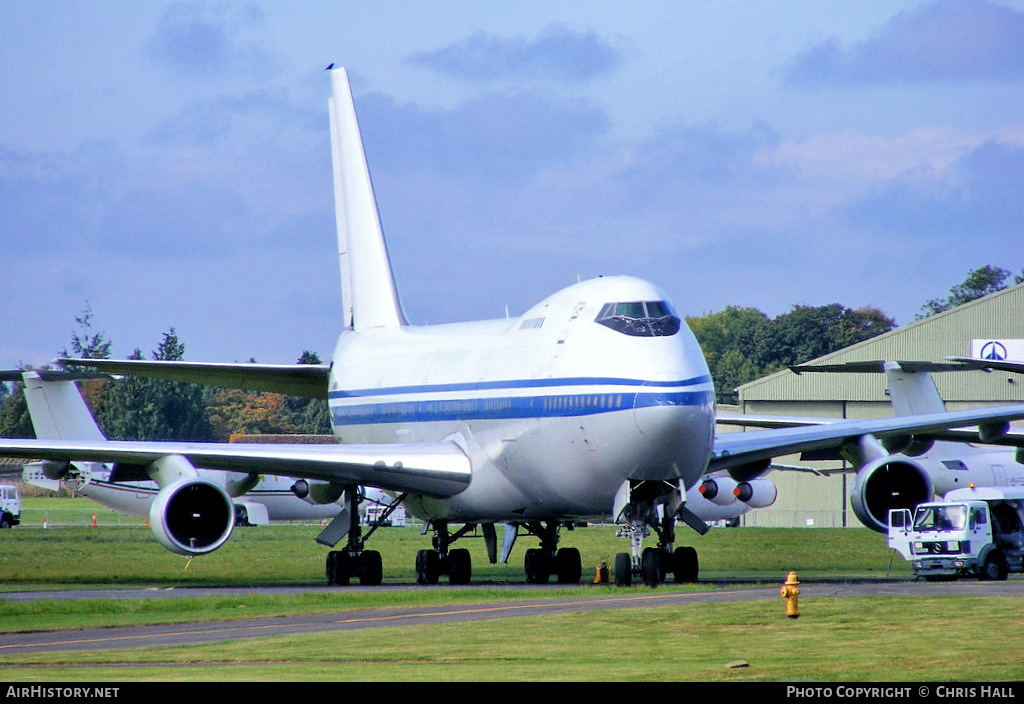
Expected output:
{"points": [[719, 490], [888, 483], [192, 516]]}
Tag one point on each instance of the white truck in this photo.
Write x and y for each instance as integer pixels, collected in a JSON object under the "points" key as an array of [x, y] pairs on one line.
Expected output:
{"points": [[977, 532], [10, 506]]}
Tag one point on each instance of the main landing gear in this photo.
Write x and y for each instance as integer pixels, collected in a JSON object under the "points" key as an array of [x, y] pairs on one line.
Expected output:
{"points": [[442, 559], [652, 565], [540, 564], [353, 561]]}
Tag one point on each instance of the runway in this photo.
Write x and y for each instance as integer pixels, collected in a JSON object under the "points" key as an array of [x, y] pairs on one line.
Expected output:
{"points": [[347, 620]]}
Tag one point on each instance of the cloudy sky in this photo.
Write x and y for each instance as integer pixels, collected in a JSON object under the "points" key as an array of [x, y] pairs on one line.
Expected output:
{"points": [[167, 164]]}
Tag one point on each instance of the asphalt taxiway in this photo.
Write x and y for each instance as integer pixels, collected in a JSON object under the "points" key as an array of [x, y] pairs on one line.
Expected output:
{"points": [[347, 620]]}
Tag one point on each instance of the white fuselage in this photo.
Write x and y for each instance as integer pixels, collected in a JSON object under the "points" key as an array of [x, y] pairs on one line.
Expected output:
{"points": [[555, 410]]}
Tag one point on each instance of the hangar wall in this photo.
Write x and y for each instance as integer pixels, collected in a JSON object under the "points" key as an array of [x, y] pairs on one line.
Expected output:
{"points": [[809, 500]]}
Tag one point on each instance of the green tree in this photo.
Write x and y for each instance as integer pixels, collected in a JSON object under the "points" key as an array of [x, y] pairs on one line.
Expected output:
{"points": [[234, 412], [307, 415], [15, 421], [726, 339], [135, 408], [979, 282], [743, 344], [807, 332], [86, 344]]}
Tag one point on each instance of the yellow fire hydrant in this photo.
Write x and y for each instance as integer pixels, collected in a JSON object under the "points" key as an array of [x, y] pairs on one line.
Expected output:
{"points": [[789, 593]]}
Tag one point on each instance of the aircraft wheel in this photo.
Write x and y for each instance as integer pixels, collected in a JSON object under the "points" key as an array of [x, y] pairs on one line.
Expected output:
{"points": [[569, 564], [331, 567], [460, 566], [536, 563], [339, 568], [371, 572], [428, 567], [684, 564], [650, 566], [623, 569]]}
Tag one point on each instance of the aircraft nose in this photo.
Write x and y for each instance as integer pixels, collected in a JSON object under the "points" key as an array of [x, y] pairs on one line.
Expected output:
{"points": [[656, 406], [676, 426]]}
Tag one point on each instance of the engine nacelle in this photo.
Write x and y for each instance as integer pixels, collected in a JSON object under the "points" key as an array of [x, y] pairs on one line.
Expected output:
{"points": [[888, 483], [718, 490], [757, 493], [192, 516], [318, 493]]}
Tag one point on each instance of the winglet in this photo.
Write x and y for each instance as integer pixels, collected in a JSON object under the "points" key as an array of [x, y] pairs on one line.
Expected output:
{"points": [[368, 291]]}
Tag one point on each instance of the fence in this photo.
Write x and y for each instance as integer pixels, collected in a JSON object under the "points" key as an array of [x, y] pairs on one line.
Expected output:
{"points": [[798, 518]]}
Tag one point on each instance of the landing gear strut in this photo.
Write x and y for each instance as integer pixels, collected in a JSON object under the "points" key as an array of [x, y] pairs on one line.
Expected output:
{"points": [[653, 564], [353, 560]]}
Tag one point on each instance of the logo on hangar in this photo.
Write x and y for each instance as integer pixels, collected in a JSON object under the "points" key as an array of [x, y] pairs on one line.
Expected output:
{"points": [[993, 350]]}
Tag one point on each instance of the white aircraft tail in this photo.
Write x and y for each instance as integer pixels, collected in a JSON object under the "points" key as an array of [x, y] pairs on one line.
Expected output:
{"points": [[912, 393], [368, 291], [58, 410]]}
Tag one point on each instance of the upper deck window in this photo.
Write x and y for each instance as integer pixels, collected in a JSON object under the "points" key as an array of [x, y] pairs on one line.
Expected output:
{"points": [[640, 318]]}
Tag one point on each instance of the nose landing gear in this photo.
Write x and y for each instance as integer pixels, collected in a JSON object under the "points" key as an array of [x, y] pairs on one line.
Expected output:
{"points": [[653, 564]]}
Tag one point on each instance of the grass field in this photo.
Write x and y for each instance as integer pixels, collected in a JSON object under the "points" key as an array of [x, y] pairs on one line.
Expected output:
{"points": [[834, 640]]}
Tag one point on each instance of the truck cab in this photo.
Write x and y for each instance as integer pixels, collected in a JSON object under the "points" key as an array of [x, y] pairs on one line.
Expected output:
{"points": [[10, 506], [975, 532]]}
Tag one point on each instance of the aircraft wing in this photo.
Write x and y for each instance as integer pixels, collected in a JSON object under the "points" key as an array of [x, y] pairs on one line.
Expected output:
{"points": [[751, 448], [1013, 438], [308, 380], [438, 469], [1002, 365]]}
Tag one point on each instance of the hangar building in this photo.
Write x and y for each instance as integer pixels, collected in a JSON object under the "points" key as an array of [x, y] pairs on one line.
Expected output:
{"points": [[990, 325]]}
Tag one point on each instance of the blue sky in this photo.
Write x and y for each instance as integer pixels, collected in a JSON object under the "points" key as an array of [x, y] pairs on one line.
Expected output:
{"points": [[167, 164]]}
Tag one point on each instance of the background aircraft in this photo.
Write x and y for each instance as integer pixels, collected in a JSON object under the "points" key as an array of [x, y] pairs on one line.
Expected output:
{"points": [[58, 411], [901, 472], [596, 402]]}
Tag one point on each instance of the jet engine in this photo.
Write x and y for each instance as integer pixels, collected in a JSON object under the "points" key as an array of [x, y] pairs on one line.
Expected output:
{"points": [[723, 498], [756, 493], [718, 490], [192, 516], [887, 483]]}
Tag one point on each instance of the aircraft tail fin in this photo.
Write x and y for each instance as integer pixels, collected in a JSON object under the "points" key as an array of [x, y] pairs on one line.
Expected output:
{"points": [[912, 392], [368, 291], [58, 410]]}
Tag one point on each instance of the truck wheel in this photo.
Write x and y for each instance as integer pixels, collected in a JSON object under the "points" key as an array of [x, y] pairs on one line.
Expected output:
{"points": [[994, 569]]}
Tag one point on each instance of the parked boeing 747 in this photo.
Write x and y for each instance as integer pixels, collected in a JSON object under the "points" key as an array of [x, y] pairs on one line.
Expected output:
{"points": [[595, 403]]}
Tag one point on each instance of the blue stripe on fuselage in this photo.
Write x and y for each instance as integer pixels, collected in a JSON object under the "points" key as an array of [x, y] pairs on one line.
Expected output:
{"points": [[516, 384], [514, 407]]}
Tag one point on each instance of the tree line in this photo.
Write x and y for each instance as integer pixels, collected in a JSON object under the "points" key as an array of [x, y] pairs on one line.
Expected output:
{"points": [[134, 408], [744, 344], [741, 344]]}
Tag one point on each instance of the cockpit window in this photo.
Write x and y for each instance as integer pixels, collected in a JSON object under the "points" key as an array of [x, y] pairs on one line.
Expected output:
{"points": [[640, 318]]}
